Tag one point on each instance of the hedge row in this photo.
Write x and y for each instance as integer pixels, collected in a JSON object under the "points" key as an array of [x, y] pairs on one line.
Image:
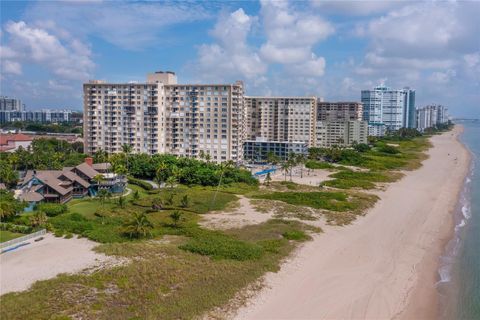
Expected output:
{"points": [[7, 226], [140, 183]]}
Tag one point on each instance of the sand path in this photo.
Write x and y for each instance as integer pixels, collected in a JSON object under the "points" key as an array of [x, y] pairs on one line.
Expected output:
{"points": [[370, 269], [45, 259]]}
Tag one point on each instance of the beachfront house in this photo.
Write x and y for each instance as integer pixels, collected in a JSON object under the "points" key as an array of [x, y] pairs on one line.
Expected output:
{"points": [[60, 186]]}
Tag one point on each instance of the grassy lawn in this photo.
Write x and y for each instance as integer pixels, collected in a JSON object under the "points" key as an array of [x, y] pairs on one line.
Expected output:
{"points": [[180, 277], [104, 222], [8, 235]]}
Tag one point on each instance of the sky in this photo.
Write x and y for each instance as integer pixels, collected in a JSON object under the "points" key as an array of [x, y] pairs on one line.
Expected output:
{"points": [[329, 49]]}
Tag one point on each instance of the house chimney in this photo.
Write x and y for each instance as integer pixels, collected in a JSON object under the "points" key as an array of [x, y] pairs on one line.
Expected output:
{"points": [[89, 161]]}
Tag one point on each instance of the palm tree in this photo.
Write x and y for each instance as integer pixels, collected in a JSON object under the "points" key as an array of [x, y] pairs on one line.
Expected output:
{"points": [[185, 201], [171, 181], [161, 172], [121, 170], [176, 216], [14, 159], [98, 179], [38, 219], [127, 149], [135, 195], [300, 159], [121, 201], [268, 178], [102, 195], [138, 226], [292, 160], [285, 165], [223, 167]]}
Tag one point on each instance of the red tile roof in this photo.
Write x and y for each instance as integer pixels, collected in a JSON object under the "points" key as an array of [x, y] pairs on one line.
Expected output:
{"points": [[5, 138]]}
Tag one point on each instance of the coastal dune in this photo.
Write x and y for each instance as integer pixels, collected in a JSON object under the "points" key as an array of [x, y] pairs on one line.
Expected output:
{"points": [[383, 266]]}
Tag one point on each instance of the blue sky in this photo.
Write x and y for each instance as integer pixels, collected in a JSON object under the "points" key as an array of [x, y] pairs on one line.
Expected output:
{"points": [[331, 49]]}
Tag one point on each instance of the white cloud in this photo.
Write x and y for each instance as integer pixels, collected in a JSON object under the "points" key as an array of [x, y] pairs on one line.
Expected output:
{"points": [[66, 59], [443, 77], [284, 55], [128, 25], [312, 67], [11, 67], [425, 45], [356, 7], [291, 34], [231, 56]]}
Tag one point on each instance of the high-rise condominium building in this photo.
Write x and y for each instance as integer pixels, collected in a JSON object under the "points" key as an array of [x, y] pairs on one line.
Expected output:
{"points": [[11, 104], [339, 111], [161, 116], [430, 116], [281, 119], [340, 124], [388, 109]]}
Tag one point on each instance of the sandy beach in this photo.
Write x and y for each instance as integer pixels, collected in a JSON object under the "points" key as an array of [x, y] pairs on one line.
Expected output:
{"points": [[45, 259], [384, 266]]}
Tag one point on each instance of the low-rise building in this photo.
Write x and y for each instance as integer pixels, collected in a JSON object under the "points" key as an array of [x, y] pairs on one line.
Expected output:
{"points": [[11, 142], [257, 151], [60, 186]]}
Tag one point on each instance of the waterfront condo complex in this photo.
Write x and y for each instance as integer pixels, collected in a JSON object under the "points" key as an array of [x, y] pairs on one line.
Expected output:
{"points": [[161, 116], [388, 109], [430, 116], [218, 120]]}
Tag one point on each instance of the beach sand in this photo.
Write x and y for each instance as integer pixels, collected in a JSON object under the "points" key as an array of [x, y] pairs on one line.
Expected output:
{"points": [[45, 259], [384, 265]]}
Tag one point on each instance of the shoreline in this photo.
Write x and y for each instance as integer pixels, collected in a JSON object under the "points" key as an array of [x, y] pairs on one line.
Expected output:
{"points": [[425, 303], [384, 265]]}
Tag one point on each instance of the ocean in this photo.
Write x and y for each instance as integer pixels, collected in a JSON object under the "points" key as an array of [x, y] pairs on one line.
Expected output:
{"points": [[459, 285]]}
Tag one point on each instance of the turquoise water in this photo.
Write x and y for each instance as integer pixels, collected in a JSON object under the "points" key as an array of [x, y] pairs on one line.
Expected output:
{"points": [[459, 287]]}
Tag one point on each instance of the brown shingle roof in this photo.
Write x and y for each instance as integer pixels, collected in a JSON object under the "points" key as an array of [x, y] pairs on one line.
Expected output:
{"points": [[31, 196], [73, 177], [50, 178], [87, 170]]}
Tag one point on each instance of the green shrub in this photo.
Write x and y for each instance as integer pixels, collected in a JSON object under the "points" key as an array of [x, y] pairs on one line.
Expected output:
{"points": [[313, 164], [52, 209], [7, 226], [385, 148], [142, 184], [290, 185], [220, 246], [347, 184], [335, 201], [297, 235]]}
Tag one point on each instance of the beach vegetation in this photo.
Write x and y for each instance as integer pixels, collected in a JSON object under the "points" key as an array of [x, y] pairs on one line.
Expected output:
{"points": [[51, 209], [181, 277]]}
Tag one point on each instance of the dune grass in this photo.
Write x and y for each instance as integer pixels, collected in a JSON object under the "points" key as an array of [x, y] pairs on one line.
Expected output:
{"points": [[335, 201], [314, 164], [348, 179], [162, 281]]}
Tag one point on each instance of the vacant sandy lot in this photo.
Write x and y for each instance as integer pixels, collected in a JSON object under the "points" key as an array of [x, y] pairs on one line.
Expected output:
{"points": [[45, 259]]}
